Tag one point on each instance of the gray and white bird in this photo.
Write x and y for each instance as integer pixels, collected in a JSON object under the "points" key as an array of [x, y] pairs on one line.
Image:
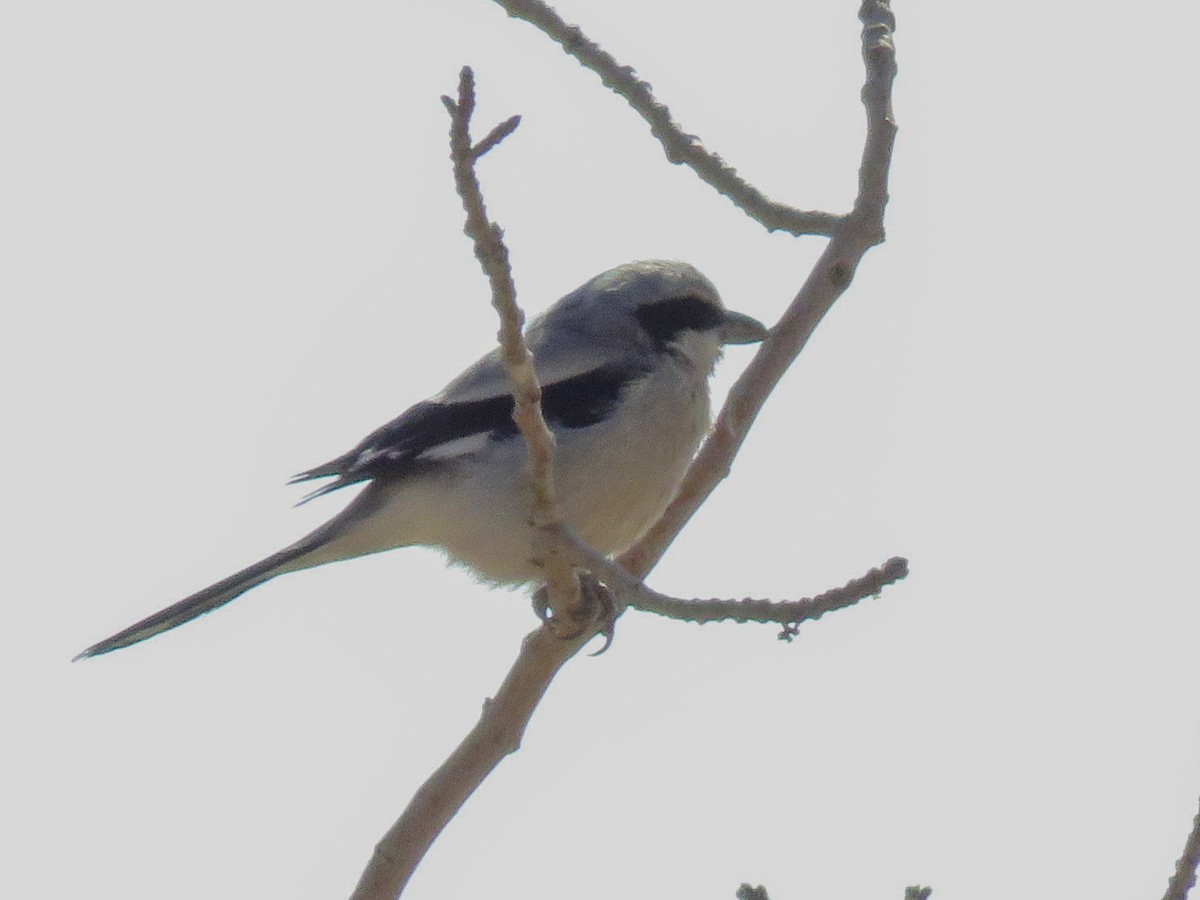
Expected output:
{"points": [[624, 363]]}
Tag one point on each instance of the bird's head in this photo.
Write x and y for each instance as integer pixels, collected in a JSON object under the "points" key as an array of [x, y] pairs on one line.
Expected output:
{"points": [[664, 306]]}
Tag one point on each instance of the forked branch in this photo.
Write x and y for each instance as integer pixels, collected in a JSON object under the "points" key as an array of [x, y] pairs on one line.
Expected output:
{"points": [[544, 651]]}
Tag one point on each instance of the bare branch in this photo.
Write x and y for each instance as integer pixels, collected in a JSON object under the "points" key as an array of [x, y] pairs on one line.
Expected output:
{"points": [[828, 280], [544, 651], [629, 591], [498, 733], [527, 392], [1184, 878], [680, 148], [783, 612], [879, 58]]}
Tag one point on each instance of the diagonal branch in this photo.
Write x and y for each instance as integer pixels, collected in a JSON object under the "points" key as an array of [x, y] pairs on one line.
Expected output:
{"points": [[1184, 878], [680, 148], [498, 733], [828, 280]]}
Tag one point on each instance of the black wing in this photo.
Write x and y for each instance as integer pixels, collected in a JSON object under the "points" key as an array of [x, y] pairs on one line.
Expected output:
{"points": [[426, 433]]}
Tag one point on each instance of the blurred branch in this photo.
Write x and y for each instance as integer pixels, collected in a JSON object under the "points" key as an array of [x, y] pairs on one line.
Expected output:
{"points": [[1184, 878], [747, 892]]}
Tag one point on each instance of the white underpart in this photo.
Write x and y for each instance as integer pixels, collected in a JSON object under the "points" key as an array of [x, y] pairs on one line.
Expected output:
{"points": [[612, 479]]}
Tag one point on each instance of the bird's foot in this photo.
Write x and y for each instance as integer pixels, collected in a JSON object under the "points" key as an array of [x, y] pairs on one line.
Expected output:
{"points": [[596, 604]]}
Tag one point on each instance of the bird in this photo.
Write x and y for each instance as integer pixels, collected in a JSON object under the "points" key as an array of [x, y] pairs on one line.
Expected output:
{"points": [[624, 362]]}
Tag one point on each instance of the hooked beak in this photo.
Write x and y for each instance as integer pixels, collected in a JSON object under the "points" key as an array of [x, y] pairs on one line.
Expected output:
{"points": [[742, 329]]}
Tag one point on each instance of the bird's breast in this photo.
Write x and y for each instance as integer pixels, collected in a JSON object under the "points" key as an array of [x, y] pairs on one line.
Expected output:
{"points": [[613, 479]]}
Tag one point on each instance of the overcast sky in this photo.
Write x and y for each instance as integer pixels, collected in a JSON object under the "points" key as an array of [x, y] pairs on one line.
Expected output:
{"points": [[232, 248]]}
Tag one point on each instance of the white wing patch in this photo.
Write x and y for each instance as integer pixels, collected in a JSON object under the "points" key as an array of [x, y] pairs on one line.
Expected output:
{"points": [[463, 446]]}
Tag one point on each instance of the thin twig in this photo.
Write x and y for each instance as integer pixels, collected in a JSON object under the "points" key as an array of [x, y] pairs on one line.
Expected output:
{"points": [[492, 254], [629, 591], [1184, 878], [783, 612], [495, 136], [681, 148]]}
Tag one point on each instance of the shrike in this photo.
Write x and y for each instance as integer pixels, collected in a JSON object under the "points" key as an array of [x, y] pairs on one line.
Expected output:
{"points": [[624, 363]]}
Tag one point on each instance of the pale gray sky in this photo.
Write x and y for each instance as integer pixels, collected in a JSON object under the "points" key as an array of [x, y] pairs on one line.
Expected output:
{"points": [[232, 248]]}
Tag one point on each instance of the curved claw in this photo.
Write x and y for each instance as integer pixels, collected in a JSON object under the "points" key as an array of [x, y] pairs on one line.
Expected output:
{"points": [[598, 604], [600, 601], [608, 632]]}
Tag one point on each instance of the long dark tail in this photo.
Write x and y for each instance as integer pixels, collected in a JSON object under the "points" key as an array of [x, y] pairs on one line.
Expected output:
{"points": [[201, 602], [321, 546]]}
